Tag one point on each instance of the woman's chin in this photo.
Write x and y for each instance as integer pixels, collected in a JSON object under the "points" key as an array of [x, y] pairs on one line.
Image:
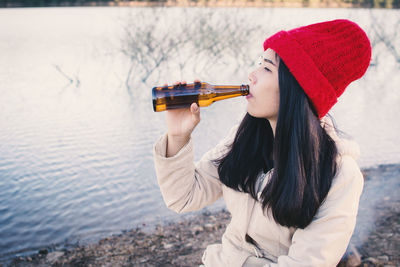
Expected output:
{"points": [[252, 113], [256, 114]]}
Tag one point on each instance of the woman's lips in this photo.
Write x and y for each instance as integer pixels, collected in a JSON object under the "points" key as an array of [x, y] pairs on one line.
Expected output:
{"points": [[249, 96]]}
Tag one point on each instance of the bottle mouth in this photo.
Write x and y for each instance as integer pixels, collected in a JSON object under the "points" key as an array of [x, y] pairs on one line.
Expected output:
{"points": [[246, 89]]}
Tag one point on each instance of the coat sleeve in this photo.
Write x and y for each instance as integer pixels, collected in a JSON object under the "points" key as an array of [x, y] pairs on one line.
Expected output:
{"points": [[185, 185], [324, 241]]}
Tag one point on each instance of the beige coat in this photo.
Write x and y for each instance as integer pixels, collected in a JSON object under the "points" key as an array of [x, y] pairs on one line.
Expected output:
{"points": [[188, 186]]}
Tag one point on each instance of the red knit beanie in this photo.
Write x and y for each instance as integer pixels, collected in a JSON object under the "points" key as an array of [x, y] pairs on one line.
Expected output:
{"points": [[324, 58]]}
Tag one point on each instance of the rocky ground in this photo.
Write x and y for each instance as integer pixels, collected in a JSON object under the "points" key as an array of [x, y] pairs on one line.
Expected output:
{"points": [[376, 240]]}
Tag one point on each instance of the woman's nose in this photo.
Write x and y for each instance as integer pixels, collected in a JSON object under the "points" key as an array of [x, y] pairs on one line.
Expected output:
{"points": [[252, 77]]}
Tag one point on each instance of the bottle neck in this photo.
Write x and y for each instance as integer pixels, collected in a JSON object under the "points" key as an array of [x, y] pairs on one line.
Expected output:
{"points": [[240, 89]]}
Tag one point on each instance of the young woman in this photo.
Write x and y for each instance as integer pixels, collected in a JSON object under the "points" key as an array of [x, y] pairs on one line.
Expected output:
{"points": [[291, 185]]}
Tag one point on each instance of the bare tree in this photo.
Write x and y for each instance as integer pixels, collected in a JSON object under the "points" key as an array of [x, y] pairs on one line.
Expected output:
{"points": [[196, 40]]}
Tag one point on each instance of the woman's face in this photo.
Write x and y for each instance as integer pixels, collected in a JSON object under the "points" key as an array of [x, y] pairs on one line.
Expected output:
{"points": [[263, 100]]}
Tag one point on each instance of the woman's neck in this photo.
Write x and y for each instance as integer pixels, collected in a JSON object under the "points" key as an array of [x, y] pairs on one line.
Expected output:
{"points": [[273, 125]]}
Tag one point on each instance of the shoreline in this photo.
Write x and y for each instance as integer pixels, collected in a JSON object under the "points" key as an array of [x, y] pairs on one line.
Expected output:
{"points": [[182, 242], [212, 4]]}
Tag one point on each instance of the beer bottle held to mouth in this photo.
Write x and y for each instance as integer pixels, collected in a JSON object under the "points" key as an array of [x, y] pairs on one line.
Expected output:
{"points": [[201, 93]]}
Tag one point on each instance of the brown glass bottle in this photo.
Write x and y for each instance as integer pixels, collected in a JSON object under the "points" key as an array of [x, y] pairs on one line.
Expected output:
{"points": [[203, 94]]}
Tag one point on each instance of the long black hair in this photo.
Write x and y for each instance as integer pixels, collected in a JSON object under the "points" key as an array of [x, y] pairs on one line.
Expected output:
{"points": [[302, 157]]}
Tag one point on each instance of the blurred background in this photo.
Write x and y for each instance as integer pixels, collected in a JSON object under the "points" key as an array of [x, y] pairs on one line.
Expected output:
{"points": [[76, 119]]}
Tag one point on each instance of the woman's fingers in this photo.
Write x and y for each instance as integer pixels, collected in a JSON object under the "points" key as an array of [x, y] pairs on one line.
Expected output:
{"points": [[194, 108], [183, 82]]}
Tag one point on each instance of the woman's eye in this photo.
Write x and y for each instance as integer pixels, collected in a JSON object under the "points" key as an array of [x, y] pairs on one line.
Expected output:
{"points": [[265, 68]]}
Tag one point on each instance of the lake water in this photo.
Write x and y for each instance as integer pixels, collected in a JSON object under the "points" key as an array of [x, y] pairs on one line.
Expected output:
{"points": [[76, 135]]}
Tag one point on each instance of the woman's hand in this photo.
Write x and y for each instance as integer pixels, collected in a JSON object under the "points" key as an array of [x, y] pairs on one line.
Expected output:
{"points": [[180, 125]]}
